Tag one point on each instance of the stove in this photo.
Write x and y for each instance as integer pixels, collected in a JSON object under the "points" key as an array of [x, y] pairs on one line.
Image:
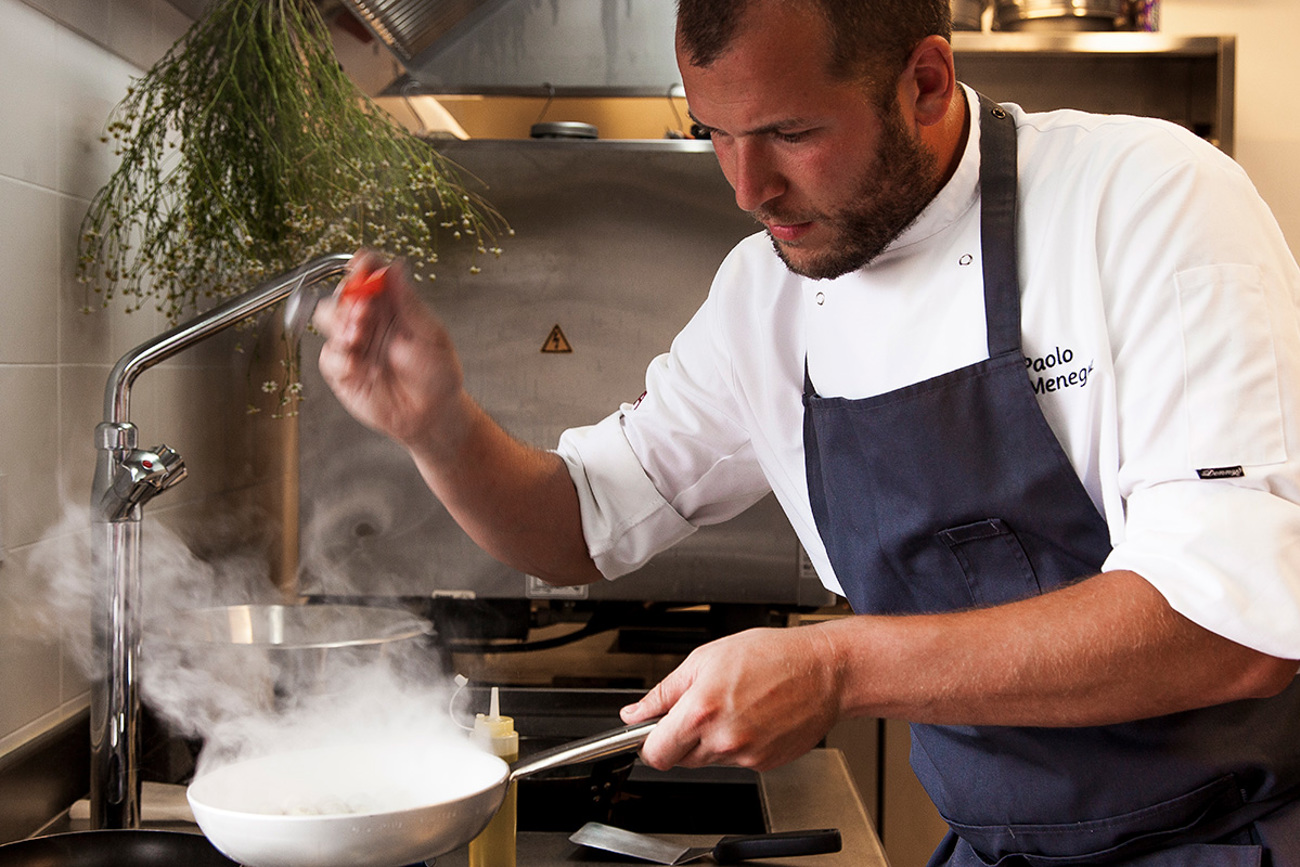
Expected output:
{"points": [[689, 806], [814, 791]]}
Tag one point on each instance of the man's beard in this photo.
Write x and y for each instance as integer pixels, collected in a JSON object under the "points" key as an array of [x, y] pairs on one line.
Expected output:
{"points": [[900, 182]]}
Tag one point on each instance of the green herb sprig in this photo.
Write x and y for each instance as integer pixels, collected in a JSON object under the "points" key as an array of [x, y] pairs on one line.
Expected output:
{"points": [[246, 151]]}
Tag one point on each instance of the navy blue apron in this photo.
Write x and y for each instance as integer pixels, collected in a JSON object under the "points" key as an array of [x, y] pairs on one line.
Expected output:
{"points": [[954, 493]]}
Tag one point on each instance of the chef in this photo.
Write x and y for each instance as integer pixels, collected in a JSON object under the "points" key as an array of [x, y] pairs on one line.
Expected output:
{"points": [[1027, 387]]}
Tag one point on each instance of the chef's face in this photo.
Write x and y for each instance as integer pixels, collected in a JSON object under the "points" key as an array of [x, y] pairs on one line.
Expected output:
{"points": [[833, 171]]}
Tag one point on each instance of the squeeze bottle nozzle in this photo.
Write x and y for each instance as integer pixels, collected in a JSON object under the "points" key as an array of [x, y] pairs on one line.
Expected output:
{"points": [[495, 847], [495, 731]]}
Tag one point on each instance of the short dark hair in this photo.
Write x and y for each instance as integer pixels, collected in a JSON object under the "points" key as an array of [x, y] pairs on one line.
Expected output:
{"points": [[871, 39]]}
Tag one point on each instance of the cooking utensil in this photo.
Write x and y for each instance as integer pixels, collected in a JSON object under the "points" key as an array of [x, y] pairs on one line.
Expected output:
{"points": [[727, 850], [402, 803], [364, 285], [114, 849]]}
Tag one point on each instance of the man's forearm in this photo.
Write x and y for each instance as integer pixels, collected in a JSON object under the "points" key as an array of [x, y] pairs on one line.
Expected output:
{"points": [[516, 501], [1105, 650]]}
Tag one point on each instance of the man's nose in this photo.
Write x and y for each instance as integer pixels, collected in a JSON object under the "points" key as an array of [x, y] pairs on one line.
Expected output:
{"points": [[753, 176]]}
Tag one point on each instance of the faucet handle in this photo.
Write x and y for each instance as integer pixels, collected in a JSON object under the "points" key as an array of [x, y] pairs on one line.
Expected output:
{"points": [[159, 467], [173, 466], [143, 474]]}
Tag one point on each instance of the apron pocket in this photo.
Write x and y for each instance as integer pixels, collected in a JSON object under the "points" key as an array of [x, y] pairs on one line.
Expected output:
{"points": [[1116, 839], [996, 567]]}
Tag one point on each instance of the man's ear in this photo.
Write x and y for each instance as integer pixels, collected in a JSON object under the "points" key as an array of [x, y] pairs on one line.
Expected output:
{"points": [[929, 81]]}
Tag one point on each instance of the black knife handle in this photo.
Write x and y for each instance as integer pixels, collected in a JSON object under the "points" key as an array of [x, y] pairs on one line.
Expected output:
{"points": [[781, 844]]}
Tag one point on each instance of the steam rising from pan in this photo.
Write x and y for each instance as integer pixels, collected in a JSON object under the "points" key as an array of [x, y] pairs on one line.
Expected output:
{"points": [[252, 697]]}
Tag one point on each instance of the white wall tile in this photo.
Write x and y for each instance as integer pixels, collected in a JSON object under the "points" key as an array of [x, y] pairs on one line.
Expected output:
{"points": [[28, 134], [88, 17], [131, 30], [29, 460], [84, 338], [88, 83], [45, 611], [29, 236], [29, 669], [81, 400], [74, 683], [138, 30], [169, 25]]}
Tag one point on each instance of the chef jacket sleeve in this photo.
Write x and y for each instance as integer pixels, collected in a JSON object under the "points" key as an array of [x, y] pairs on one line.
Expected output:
{"points": [[653, 472], [625, 520], [1204, 315], [1224, 556]]}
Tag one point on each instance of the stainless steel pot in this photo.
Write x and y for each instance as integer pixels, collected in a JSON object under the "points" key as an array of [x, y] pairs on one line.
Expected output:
{"points": [[1059, 14], [370, 805], [968, 14], [298, 627], [260, 653]]}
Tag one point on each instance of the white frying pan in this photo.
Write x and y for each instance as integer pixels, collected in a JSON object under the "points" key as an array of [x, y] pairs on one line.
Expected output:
{"points": [[370, 805]]}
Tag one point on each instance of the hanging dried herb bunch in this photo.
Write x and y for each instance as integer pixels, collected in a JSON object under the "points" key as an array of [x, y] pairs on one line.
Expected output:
{"points": [[247, 151]]}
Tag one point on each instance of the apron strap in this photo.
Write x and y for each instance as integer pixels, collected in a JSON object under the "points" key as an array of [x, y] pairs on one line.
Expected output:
{"points": [[998, 220]]}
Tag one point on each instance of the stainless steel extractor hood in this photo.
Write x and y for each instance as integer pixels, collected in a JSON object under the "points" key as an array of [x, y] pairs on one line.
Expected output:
{"points": [[528, 47]]}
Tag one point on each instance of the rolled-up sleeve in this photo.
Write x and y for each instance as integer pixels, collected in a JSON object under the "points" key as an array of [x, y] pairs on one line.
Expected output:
{"points": [[1225, 556], [624, 518], [679, 458]]}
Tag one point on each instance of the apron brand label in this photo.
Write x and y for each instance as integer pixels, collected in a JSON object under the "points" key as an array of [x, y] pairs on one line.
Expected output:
{"points": [[1047, 375], [1221, 473]]}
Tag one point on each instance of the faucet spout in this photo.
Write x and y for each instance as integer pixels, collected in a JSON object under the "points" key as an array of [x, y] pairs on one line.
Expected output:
{"points": [[127, 477]]}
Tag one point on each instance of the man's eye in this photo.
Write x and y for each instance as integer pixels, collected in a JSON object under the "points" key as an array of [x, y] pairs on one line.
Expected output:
{"points": [[792, 137], [699, 130]]}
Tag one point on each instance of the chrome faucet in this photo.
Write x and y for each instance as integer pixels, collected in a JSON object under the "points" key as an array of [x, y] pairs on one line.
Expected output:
{"points": [[127, 477]]}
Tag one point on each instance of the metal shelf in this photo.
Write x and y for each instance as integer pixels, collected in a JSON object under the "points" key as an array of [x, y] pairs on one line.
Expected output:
{"points": [[1189, 80], [1072, 42]]}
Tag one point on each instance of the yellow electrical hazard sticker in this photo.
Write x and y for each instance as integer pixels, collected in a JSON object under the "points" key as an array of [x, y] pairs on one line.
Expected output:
{"points": [[556, 341]]}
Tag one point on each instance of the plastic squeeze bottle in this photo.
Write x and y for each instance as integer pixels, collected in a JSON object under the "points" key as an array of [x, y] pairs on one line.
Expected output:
{"points": [[495, 847]]}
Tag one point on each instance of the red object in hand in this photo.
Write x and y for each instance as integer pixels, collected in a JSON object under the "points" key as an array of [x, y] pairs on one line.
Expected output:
{"points": [[364, 285]]}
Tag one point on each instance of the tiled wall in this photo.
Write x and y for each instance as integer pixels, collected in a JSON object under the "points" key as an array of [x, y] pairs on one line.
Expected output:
{"points": [[63, 65]]}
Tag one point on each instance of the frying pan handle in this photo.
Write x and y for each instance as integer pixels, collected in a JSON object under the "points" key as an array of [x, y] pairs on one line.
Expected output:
{"points": [[598, 746]]}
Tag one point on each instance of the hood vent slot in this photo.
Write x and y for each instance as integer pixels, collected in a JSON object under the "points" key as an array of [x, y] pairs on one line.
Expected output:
{"points": [[528, 47], [409, 27]]}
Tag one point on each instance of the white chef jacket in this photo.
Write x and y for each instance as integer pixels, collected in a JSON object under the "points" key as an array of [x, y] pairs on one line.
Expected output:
{"points": [[1161, 332]]}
